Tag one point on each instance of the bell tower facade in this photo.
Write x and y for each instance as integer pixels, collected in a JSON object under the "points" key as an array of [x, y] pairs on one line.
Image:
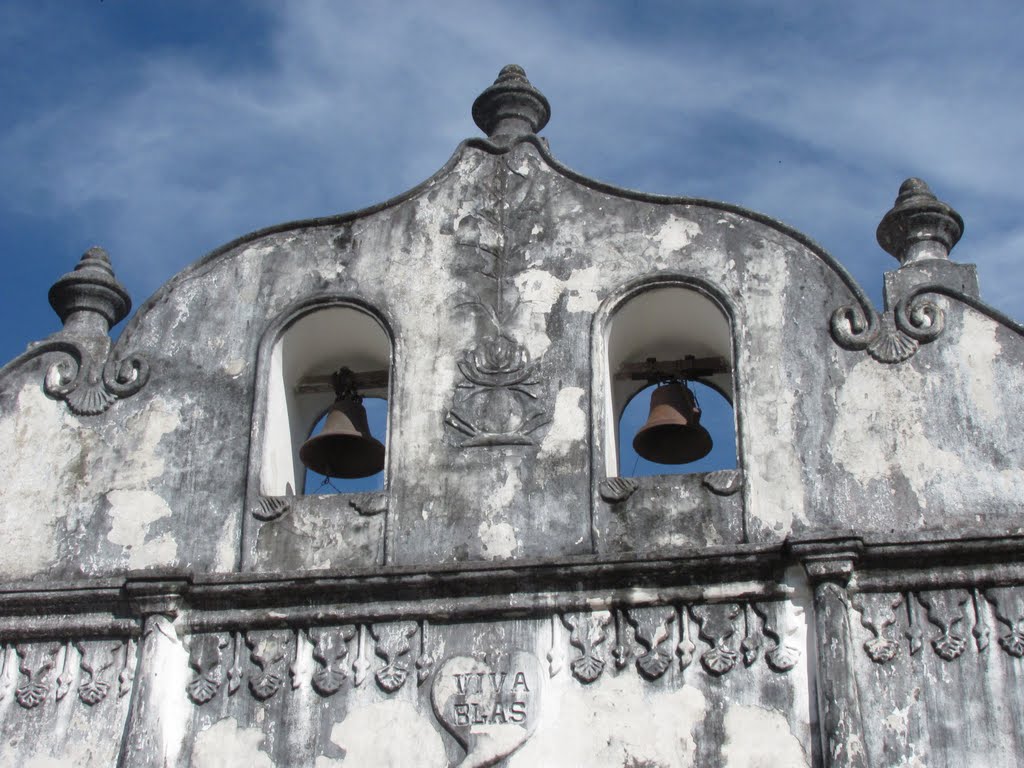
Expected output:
{"points": [[173, 592]]}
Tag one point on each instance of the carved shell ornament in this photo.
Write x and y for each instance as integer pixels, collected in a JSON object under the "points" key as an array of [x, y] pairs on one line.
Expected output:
{"points": [[891, 337], [87, 374], [917, 220]]}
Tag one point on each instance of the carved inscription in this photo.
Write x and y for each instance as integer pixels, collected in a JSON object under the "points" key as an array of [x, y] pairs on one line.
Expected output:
{"points": [[491, 709]]}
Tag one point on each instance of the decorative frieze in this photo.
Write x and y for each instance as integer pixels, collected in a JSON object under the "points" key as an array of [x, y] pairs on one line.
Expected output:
{"points": [[951, 612]]}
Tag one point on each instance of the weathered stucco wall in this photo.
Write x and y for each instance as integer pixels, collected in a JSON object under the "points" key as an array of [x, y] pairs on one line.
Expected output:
{"points": [[159, 607]]}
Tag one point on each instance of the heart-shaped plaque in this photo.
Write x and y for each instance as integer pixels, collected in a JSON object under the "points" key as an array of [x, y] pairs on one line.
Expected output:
{"points": [[491, 708]]}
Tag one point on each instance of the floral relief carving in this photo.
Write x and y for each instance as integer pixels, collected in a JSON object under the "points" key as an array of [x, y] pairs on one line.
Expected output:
{"points": [[946, 611], [330, 652], [890, 337], [686, 646], [36, 662], [717, 627], [268, 650], [126, 677], [67, 673], [393, 647], [556, 658], [1008, 603], [205, 658], [877, 613], [783, 651], [425, 661], [652, 628], [96, 658], [495, 404], [587, 633]]}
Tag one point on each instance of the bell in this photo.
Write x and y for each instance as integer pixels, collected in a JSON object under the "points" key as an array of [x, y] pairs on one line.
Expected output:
{"points": [[673, 434], [344, 448]]}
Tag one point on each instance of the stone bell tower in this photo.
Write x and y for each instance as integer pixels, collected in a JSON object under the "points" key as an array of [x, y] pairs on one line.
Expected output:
{"points": [[846, 590]]}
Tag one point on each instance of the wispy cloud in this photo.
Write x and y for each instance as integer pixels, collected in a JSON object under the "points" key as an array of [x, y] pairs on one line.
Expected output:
{"points": [[811, 115]]}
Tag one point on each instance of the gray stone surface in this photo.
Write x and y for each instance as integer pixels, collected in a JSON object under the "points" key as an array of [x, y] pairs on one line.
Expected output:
{"points": [[849, 596]]}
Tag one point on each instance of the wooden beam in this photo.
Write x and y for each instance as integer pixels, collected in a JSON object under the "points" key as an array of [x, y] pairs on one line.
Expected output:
{"points": [[687, 368]]}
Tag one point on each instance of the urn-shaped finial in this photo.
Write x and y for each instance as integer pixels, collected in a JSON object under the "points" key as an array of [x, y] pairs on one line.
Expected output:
{"points": [[919, 226], [90, 299], [512, 106]]}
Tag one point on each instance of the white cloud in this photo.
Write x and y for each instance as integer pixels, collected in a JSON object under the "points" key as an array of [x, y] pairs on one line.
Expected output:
{"points": [[811, 115]]}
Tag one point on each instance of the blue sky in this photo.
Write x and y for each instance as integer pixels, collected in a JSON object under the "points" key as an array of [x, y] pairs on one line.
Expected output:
{"points": [[160, 130]]}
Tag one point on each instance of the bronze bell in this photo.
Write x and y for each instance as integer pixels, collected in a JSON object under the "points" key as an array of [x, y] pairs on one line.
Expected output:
{"points": [[673, 434], [344, 448]]}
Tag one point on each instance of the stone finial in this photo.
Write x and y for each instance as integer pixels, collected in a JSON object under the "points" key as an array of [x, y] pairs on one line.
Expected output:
{"points": [[919, 226], [90, 299], [512, 106]]}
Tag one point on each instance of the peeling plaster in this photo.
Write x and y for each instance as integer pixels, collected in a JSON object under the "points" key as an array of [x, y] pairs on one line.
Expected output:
{"points": [[498, 539], [774, 469], [131, 515], [34, 507], [80, 753], [569, 425], [540, 290], [982, 353], [411, 738], [756, 737], [227, 745], [880, 436], [676, 233], [619, 709]]}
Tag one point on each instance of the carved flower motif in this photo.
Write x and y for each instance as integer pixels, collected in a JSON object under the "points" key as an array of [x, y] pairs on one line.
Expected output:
{"points": [[266, 685], [328, 680], [588, 668], [654, 663], [205, 686], [719, 660], [881, 649], [949, 646], [782, 658], [31, 695], [93, 691], [496, 361], [392, 676], [1013, 643]]}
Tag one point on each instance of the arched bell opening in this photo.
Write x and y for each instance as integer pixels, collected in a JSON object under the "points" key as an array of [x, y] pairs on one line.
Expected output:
{"points": [[303, 391], [672, 341]]}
